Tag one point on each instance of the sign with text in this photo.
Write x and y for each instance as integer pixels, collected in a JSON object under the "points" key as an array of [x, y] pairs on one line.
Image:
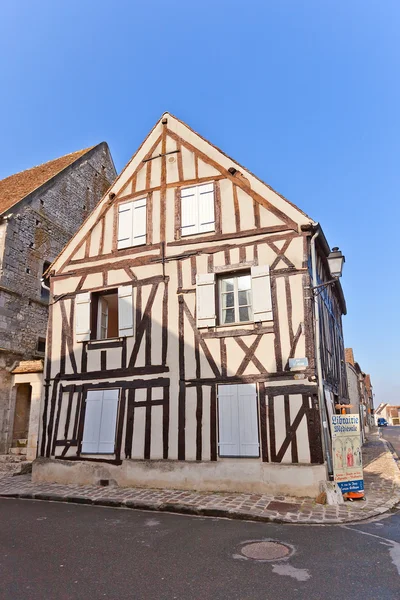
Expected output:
{"points": [[346, 447]]}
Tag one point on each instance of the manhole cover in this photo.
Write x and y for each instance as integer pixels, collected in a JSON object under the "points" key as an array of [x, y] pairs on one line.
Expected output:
{"points": [[266, 550]]}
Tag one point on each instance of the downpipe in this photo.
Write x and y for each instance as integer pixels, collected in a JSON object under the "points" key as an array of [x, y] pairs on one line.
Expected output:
{"points": [[317, 338]]}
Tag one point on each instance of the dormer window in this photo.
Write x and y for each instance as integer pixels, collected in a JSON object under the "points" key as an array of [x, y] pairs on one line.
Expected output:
{"points": [[197, 209], [132, 223]]}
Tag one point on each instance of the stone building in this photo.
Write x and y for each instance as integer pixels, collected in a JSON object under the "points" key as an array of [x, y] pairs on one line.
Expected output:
{"points": [[360, 392], [40, 210]]}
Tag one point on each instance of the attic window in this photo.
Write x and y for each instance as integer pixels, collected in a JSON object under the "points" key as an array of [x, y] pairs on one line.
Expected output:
{"points": [[28, 270], [42, 201]]}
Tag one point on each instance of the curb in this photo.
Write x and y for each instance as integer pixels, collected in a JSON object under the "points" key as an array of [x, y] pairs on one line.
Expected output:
{"points": [[176, 508]]}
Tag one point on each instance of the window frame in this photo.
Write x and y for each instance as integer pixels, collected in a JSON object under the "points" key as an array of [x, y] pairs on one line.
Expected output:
{"points": [[196, 186], [233, 275], [88, 454], [95, 314]]}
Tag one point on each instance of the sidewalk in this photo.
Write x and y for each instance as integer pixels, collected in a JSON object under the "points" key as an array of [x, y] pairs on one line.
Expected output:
{"points": [[382, 486]]}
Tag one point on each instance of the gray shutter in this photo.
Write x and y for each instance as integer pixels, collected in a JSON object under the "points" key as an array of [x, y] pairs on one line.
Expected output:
{"points": [[125, 225], [261, 291], [125, 311], [248, 420], [206, 207], [82, 317], [228, 420], [100, 422], [139, 226], [205, 300], [189, 211]]}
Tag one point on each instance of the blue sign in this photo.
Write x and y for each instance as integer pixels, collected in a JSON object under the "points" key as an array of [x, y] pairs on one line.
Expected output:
{"points": [[298, 362]]}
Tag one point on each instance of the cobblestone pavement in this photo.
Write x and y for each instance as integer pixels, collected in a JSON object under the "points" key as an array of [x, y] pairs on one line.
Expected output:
{"points": [[382, 486]]}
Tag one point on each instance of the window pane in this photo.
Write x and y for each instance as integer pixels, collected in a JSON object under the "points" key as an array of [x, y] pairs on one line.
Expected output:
{"points": [[244, 282], [228, 315], [227, 285], [228, 300], [244, 313], [245, 298]]}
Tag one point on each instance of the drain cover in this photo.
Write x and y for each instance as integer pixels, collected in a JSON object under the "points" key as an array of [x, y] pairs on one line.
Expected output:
{"points": [[266, 550]]}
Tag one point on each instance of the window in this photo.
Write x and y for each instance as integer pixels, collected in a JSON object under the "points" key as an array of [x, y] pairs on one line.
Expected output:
{"points": [[44, 293], [99, 428], [197, 209], [104, 315], [242, 297], [235, 299], [41, 345], [132, 223], [238, 420]]}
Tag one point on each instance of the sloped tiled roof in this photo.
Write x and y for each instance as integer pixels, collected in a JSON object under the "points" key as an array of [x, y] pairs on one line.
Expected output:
{"points": [[28, 366], [15, 187]]}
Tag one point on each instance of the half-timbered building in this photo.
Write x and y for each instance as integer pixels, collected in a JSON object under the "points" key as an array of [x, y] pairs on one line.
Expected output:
{"points": [[181, 348]]}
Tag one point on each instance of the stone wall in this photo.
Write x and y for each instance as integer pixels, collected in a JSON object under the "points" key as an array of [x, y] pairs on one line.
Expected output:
{"points": [[34, 233]]}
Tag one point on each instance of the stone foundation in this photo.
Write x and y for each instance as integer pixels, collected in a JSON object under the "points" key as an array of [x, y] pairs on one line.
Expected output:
{"points": [[227, 475]]}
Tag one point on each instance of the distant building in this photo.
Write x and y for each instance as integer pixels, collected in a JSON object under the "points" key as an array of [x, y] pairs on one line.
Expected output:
{"points": [[360, 392], [389, 412], [40, 210]]}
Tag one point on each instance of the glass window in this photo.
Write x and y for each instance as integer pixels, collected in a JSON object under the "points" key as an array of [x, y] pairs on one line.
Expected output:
{"points": [[235, 299]]}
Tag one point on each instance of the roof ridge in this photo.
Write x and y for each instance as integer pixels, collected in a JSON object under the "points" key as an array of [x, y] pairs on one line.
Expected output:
{"points": [[83, 151]]}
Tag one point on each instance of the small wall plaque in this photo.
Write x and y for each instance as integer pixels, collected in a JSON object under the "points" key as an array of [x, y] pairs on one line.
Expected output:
{"points": [[298, 363]]}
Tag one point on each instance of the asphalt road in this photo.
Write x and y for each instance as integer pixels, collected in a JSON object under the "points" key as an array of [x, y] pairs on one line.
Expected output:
{"points": [[391, 433], [52, 551]]}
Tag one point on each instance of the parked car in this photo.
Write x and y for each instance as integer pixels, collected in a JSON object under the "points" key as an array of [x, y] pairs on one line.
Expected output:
{"points": [[382, 422]]}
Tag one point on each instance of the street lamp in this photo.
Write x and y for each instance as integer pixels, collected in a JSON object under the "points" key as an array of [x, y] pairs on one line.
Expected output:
{"points": [[336, 261]]}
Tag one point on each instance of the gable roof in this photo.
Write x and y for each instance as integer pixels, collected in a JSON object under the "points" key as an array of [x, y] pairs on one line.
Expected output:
{"points": [[16, 187], [262, 192]]}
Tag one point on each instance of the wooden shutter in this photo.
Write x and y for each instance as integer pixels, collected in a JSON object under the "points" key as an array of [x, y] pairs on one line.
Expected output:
{"points": [[206, 207], [82, 317], [125, 311], [91, 429], [100, 422], [139, 222], [228, 420], [248, 420], [108, 422], [205, 300], [125, 225], [189, 211], [261, 292]]}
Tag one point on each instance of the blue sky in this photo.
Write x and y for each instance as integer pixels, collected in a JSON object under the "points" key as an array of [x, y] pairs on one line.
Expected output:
{"points": [[304, 93]]}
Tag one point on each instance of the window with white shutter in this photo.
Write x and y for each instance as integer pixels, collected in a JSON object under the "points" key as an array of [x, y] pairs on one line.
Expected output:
{"points": [[197, 209], [82, 317], [205, 300], [262, 300], [125, 311], [238, 420], [132, 223], [100, 422]]}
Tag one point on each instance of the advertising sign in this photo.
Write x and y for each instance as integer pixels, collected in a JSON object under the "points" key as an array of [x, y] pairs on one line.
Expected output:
{"points": [[346, 447]]}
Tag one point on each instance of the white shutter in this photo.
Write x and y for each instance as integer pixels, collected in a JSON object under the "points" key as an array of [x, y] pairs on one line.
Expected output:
{"points": [[189, 211], [100, 422], [91, 429], [139, 222], [82, 317], [125, 225], [261, 291], [205, 300], [125, 311], [228, 420], [206, 207], [108, 422], [248, 421]]}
